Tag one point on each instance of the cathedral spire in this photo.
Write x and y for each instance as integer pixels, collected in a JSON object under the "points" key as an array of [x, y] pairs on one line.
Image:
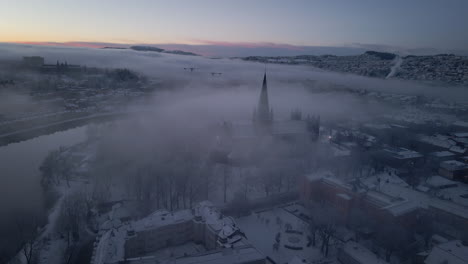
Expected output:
{"points": [[263, 110]]}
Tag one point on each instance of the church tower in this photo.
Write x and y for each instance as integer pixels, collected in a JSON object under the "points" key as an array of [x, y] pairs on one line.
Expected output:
{"points": [[263, 115]]}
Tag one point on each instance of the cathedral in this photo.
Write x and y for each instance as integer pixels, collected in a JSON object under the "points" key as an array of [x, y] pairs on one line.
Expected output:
{"points": [[265, 130], [296, 128]]}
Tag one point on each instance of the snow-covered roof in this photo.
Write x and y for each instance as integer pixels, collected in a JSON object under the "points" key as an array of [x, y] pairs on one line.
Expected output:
{"points": [[458, 149], [161, 218], [403, 153], [225, 226], [318, 175], [461, 124], [344, 196], [360, 254], [110, 247], [437, 181], [452, 252], [438, 140], [442, 154], [340, 151], [461, 134], [453, 165], [405, 199]]}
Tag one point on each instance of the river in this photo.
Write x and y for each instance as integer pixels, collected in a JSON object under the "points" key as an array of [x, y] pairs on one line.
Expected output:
{"points": [[20, 189]]}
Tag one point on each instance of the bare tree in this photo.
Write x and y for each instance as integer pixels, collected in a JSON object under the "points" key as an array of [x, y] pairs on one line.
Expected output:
{"points": [[27, 228], [392, 238], [71, 222], [323, 222]]}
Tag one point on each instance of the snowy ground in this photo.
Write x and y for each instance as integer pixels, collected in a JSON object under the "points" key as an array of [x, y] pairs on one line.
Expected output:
{"points": [[51, 243], [261, 229]]}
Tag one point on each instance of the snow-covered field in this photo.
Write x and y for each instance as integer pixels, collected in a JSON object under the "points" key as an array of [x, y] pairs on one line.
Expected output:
{"points": [[261, 229]]}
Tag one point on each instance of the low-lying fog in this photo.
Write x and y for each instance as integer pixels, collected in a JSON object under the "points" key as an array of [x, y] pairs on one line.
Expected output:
{"points": [[189, 101], [196, 99]]}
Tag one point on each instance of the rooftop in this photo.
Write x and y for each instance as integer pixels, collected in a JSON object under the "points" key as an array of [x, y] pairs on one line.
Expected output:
{"points": [[453, 165], [438, 140], [360, 254], [461, 134], [437, 181], [161, 218], [403, 153], [110, 247], [442, 154], [461, 124], [452, 252]]}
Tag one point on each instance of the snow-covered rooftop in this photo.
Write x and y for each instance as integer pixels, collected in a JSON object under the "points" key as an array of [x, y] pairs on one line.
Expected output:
{"points": [[453, 165], [437, 181], [161, 218], [461, 124], [452, 252], [318, 175], [461, 134], [110, 247], [360, 254], [442, 154], [438, 140], [403, 153]]}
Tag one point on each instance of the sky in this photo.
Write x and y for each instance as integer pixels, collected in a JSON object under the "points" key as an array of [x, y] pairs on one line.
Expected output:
{"points": [[399, 23]]}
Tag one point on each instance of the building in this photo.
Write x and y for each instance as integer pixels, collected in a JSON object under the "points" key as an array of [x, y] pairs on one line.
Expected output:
{"points": [[386, 198], [238, 142], [452, 252], [33, 61], [400, 157], [433, 143], [60, 68], [439, 156], [138, 241], [437, 182], [461, 126], [296, 128], [353, 253], [454, 170]]}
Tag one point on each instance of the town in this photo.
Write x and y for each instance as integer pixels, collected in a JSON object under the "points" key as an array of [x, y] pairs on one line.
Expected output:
{"points": [[442, 68], [304, 189], [64, 95], [234, 132]]}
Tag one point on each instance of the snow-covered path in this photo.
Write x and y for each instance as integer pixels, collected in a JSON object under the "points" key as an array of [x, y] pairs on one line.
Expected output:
{"points": [[50, 251]]}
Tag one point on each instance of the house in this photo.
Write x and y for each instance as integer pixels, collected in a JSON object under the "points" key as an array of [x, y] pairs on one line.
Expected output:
{"points": [[437, 182], [460, 126], [452, 252], [454, 170], [353, 253], [399, 158]]}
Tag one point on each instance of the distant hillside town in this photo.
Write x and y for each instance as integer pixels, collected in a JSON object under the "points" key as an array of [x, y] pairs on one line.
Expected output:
{"points": [[442, 68]]}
